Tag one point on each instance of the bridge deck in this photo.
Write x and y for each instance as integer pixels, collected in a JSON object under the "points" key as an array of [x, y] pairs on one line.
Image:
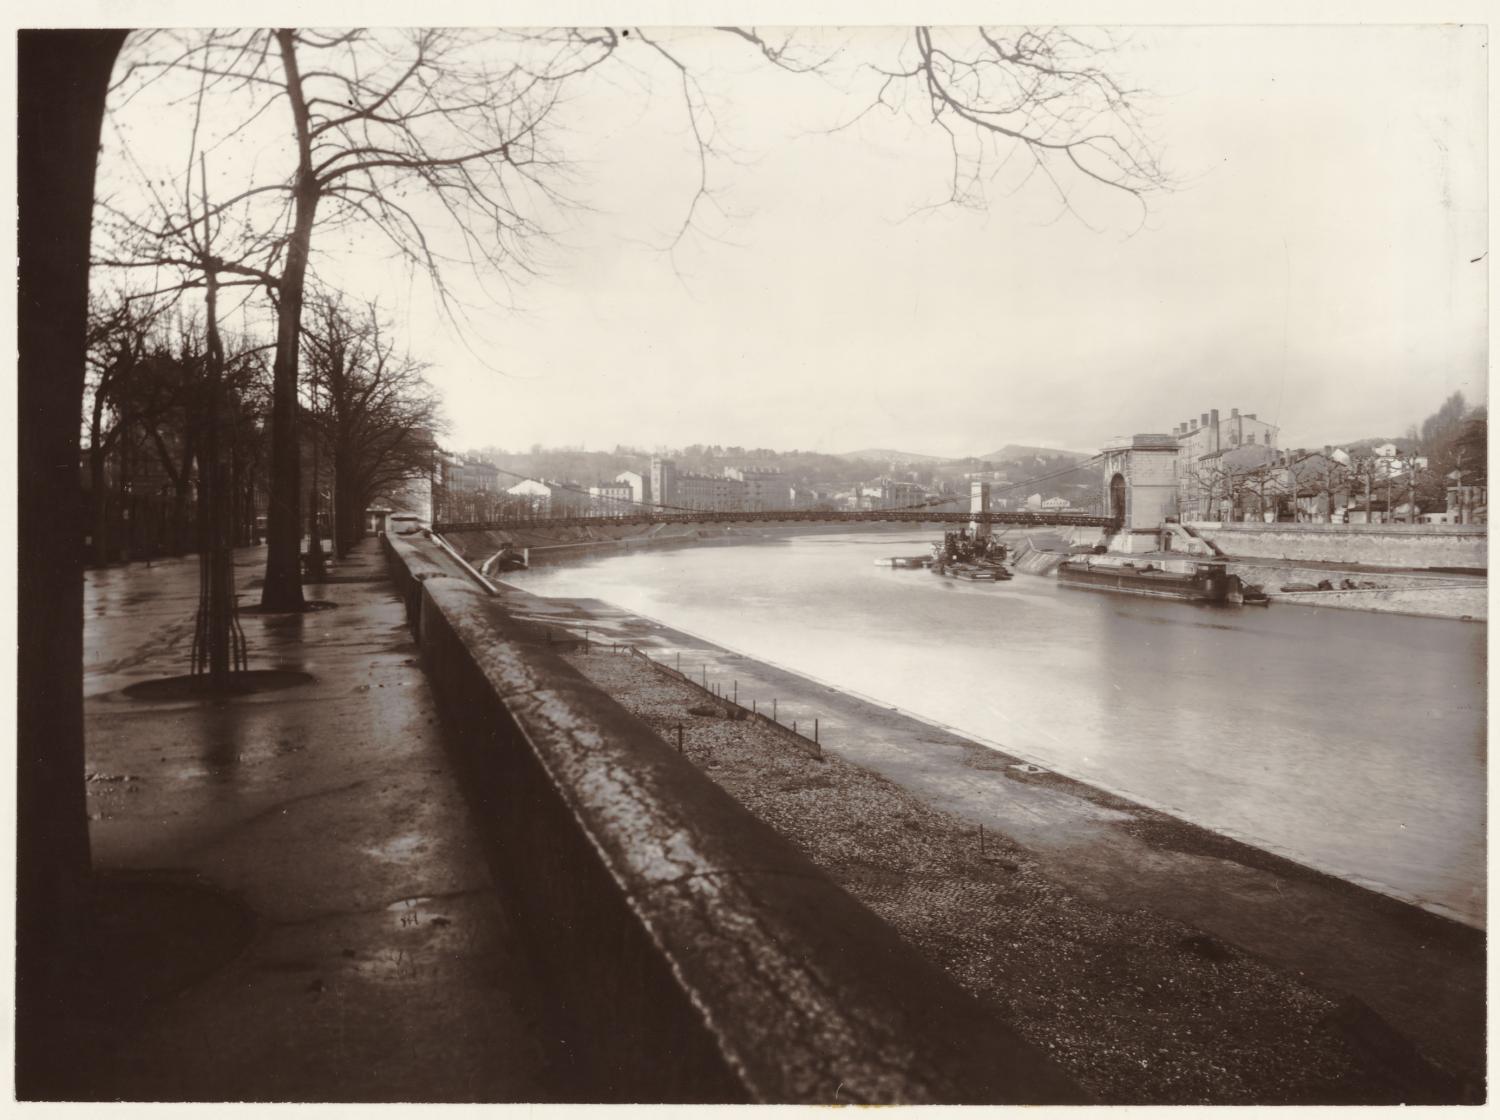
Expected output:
{"points": [[786, 515]]}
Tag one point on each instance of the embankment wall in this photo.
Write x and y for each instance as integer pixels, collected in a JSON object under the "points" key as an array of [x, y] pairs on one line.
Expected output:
{"points": [[1393, 546], [1452, 601], [694, 955]]}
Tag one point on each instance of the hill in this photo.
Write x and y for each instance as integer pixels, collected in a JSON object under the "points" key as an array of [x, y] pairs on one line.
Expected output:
{"points": [[1012, 452], [886, 455]]}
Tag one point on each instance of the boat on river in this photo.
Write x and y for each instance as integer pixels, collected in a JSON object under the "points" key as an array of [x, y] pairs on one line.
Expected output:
{"points": [[975, 573], [1197, 581], [976, 559], [903, 562]]}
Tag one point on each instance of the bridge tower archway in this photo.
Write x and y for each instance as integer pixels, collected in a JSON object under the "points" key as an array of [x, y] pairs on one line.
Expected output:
{"points": [[1117, 493]]}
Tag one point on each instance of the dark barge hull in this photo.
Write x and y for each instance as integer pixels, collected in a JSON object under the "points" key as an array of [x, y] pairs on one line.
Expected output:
{"points": [[1208, 585]]}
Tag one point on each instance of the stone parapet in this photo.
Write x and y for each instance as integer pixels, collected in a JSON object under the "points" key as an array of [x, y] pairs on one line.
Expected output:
{"points": [[694, 954]]}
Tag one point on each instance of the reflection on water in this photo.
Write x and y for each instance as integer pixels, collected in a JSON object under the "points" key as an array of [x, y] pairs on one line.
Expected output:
{"points": [[1353, 742]]}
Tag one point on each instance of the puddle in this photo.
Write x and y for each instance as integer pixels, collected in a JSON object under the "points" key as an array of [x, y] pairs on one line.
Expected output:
{"points": [[399, 848]]}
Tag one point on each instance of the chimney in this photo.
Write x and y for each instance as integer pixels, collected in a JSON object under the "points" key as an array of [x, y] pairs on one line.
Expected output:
{"points": [[1233, 412], [1213, 436], [1203, 421]]}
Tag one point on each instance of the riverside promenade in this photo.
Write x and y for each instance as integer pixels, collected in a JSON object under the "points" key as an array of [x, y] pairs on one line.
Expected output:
{"points": [[303, 908]]}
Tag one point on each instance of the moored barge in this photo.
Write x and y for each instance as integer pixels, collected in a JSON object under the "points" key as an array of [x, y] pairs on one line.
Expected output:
{"points": [[1199, 581]]}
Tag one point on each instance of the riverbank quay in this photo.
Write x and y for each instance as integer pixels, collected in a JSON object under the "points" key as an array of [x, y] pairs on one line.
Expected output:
{"points": [[300, 908], [1411, 980], [668, 922]]}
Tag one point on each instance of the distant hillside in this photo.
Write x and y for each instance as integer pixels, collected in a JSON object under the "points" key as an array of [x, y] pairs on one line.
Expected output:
{"points": [[886, 455], [1014, 451]]}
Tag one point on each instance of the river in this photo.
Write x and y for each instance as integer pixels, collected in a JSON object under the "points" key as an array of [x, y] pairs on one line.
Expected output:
{"points": [[1351, 742]]}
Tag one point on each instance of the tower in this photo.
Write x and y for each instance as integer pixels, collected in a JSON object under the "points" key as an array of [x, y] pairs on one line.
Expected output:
{"points": [[979, 502]]}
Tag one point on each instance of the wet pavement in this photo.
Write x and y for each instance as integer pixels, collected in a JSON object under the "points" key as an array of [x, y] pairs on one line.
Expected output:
{"points": [[380, 965]]}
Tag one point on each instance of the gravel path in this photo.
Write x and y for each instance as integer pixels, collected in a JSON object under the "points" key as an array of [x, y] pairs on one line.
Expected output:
{"points": [[1141, 1009]]}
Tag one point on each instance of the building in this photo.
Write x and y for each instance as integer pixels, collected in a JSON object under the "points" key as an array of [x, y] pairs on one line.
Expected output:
{"points": [[474, 475], [533, 496], [719, 493], [1211, 453], [664, 483], [899, 495], [611, 499], [764, 487], [640, 486]]}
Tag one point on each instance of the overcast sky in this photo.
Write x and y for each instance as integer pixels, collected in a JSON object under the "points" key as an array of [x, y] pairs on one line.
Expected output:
{"points": [[1312, 265]]}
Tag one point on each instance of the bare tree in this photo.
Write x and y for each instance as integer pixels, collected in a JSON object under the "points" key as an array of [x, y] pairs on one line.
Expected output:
{"points": [[119, 334], [375, 409], [400, 132]]}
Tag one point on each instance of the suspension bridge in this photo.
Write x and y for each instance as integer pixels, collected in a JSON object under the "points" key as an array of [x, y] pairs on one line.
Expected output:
{"points": [[930, 511], [916, 514]]}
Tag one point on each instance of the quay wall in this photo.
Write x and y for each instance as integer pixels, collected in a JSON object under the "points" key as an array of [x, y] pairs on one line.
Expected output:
{"points": [[1462, 601], [692, 952], [1391, 546]]}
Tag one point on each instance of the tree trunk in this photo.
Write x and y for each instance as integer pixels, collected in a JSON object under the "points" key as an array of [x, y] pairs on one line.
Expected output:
{"points": [[214, 648], [282, 590], [62, 77], [345, 503], [98, 501]]}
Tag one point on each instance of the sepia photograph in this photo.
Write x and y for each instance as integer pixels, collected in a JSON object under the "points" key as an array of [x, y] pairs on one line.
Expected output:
{"points": [[864, 559]]}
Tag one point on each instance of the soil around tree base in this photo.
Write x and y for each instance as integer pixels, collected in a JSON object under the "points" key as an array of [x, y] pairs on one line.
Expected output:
{"points": [[198, 686]]}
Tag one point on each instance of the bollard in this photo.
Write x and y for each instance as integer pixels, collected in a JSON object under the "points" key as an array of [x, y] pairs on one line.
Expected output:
{"points": [[815, 729], [736, 693], [774, 716], [755, 707], [679, 661], [794, 727]]}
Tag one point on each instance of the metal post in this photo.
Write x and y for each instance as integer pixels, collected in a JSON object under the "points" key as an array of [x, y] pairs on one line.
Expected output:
{"points": [[736, 694], [815, 729], [774, 716]]}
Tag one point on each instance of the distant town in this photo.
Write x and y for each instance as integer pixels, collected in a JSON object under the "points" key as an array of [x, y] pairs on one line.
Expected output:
{"points": [[1229, 467]]}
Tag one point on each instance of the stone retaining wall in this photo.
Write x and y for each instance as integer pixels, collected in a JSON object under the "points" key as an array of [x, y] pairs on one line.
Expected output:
{"points": [[693, 953], [1393, 546], [1465, 602]]}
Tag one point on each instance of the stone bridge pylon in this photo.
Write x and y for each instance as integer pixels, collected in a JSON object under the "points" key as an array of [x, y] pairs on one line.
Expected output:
{"points": [[1140, 488]]}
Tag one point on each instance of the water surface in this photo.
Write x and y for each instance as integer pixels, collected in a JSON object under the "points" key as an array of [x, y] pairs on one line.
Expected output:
{"points": [[1352, 742]]}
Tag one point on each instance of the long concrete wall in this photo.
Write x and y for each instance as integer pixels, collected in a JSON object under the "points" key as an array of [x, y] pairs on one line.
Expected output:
{"points": [[694, 954], [1394, 546]]}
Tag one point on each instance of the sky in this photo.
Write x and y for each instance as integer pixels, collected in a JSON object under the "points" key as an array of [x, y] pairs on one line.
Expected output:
{"points": [[1313, 262]]}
